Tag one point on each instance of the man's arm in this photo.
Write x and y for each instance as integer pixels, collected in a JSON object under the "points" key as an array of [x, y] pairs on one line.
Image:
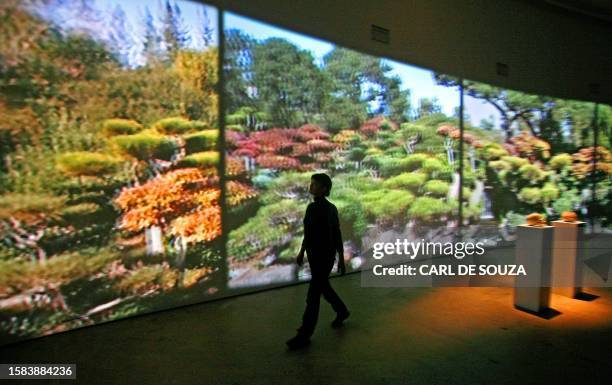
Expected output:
{"points": [[339, 243], [306, 239]]}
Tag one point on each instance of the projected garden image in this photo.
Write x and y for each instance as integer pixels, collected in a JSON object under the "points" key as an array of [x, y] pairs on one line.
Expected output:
{"points": [[388, 134], [384, 131], [109, 193], [536, 155]]}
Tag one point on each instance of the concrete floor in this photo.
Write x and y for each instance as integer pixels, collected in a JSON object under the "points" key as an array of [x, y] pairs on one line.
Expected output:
{"points": [[394, 336]]}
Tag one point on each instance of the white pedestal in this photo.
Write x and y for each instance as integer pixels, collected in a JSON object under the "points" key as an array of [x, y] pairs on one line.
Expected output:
{"points": [[568, 248], [534, 252]]}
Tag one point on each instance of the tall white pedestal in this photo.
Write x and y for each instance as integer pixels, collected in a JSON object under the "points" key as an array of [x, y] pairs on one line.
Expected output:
{"points": [[568, 251], [534, 252]]}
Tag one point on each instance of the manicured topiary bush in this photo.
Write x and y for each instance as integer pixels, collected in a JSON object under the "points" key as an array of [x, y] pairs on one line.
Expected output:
{"points": [[532, 173], [353, 221], [560, 162], [409, 180], [202, 159], [174, 126], [427, 209], [388, 165], [145, 145], [549, 193], [494, 151], [531, 195], [83, 163], [113, 127], [436, 188], [387, 205], [413, 162], [201, 141], [432, 166], [515, 162], [500, 165]]}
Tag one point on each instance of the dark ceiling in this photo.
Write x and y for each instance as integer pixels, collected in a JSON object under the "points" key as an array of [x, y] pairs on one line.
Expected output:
{"points": [[598, 9]]}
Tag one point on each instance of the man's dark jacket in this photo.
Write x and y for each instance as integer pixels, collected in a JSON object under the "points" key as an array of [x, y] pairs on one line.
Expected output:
{"points": [[322, 236]]}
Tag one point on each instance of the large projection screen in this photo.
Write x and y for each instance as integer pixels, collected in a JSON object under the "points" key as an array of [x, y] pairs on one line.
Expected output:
{"points": [[109, 190], [297, 105], [115, 117]]}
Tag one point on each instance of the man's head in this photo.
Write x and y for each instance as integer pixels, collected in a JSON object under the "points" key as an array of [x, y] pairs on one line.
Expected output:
{"points": [[320, 184]]}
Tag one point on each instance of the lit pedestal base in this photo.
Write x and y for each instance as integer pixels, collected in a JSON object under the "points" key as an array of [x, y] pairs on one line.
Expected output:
{"points": [[533, 251], [568, 247]]}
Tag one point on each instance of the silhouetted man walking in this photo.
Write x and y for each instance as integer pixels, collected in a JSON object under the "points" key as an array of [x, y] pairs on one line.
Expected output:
{"points": [[322, 240]]}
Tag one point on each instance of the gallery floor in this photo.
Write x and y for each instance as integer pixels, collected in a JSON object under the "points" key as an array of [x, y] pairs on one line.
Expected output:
{"points": [[394, 336]]}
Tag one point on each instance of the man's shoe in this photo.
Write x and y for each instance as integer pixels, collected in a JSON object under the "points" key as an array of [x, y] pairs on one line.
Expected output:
{"points": [[340, 317], [298, 342]]}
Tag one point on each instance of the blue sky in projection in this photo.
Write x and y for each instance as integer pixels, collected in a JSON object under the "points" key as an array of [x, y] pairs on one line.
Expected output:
{"points": [[195, 15], [420, 81]]}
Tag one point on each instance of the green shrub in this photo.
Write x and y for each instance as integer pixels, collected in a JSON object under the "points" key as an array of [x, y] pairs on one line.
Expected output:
{"points": [[549, 192], [234, 127], [413, 162], [385, 125], [263, 178], [388, 166], [433, 166], [499, 165], [203, 159], [17, 276], [514, 161], [469, 176], [560, 161], [387, 205], [531, 195], [198, 125], [288, 253], [273, 226], [412, 181], [358, 183], [396, 151], [372, 161], [352, 214], [373, 151], [384, 135], [532, 173], [387, 143], [113, 127], [87, 163], [13, 204], [146, 278], [472, 212], [357, 154], [81, 214], [446, 173], [201, 141], [429, 209], [235, 119], [567, 201], [437, 188], [146, 145], [173, 126], [494, 151], [515, 219]]}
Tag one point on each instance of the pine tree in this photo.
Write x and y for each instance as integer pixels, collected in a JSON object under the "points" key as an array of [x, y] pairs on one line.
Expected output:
{"points": [[206, 31], [151, 38], [120, 35], [174, 34]]}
